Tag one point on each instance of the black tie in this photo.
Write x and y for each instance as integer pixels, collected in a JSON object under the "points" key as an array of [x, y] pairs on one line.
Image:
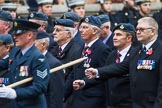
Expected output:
{"points": [[59, 50]]}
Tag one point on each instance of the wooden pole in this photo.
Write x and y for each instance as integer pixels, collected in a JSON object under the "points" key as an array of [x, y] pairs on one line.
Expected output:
{"points": [[51, 71]]}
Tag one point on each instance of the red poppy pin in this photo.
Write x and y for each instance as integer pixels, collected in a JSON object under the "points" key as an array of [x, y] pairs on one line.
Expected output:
{"points": [[149, 51], [10, 61], [89, 51]]}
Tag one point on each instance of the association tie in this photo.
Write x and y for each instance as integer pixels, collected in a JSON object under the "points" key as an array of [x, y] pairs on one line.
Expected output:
{"points": [[59, 50], [143, 50], [118, 57], [84, 52]]}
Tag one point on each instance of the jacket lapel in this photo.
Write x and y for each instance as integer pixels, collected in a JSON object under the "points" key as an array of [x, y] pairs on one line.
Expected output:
{"points": [[153, 47]]}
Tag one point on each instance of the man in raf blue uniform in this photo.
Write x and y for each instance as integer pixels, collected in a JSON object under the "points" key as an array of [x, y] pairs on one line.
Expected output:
{"points": [[144, 65], [26, 61]]}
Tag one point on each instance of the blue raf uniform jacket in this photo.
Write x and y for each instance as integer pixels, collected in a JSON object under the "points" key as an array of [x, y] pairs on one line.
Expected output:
{"points": [[31, 64]]}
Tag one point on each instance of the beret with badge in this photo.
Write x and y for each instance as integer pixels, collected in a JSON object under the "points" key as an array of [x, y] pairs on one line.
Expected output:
{"points": [[6, 39], [5, 16], [139, 2], [65, 22], [104, 18], [74, 3], [42, 34], [93, 20], [22, 25], [70, 15], [126, 27], [44, 2], [38, 16]]}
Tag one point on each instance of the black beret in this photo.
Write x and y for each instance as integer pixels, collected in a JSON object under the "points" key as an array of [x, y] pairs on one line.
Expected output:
{"points": [[126, 27], [70, 15], [6, 39], [21, 25], [65, 22], [93, 20], [138, 2], [38, 16], [104, 18], [5, 16], [41, 34]]}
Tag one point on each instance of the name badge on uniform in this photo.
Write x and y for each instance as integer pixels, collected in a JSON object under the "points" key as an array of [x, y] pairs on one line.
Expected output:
{"points": [[24, 71], [146, 64]]}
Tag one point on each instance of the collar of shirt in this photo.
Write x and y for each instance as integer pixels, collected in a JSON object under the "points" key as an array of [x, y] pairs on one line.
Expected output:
{"points": [[6, 56], [91, 43], [148, 45], [45, 52], [107, 38], [75, 33], [63, 46], [26, 49], [124, 52]]}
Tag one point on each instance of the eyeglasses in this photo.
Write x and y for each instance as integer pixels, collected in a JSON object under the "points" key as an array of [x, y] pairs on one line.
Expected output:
{"points": [[142, 29]]}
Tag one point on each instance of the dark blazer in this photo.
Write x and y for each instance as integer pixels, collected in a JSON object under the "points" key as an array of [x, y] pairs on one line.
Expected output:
{"points": [[32, 64], [119, 94], [146, 84], [67, 54], [54, 94], [90, 97]]}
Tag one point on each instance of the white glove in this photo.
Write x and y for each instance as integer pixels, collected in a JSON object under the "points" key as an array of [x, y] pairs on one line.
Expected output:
{"points": [[8, 93]]}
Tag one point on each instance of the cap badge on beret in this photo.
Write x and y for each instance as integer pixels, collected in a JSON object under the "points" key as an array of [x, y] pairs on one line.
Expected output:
{"points": [[15, 24], [86, 20], [126, 14], [31, 15], [122, 27]]}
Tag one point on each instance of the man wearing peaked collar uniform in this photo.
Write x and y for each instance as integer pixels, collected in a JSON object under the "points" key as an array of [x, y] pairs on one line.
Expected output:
{"points": [[26, 61], [145, 69], [54, 94], [96, 51]]}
